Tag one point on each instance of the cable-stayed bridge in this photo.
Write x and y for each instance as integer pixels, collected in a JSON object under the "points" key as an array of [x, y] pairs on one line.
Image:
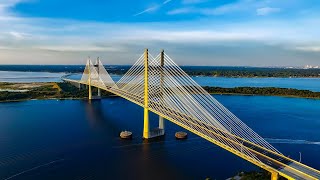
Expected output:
{"points": [[159, 85]]}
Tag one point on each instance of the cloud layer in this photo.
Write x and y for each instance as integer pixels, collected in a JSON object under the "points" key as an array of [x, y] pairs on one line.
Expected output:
{"points": [[215, 39]]}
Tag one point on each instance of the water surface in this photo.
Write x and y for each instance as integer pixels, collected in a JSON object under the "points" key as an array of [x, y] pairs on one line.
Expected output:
{"points": [[73, 139], [25, 77], [312, 84]]}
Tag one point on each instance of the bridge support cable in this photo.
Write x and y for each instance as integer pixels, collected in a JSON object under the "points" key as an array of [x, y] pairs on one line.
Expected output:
{"points": [[182, 102], [160, 86], [133, 80], [218, 113], [97, 76], [98, 79], [89, 81], [96, 65], [104, 76]]}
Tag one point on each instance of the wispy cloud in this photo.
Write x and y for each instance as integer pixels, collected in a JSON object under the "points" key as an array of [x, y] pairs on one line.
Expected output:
{"points": [[150, 9], [153, 8], [194, 1], [233, 7], [240, 6], [185, 10], [166, 2], [6, 15], [223, 9], [308, 48], [267, 10]]}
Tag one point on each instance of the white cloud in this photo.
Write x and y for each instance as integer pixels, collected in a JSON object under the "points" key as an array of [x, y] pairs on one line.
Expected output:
{"points": [[308, 48], [66, 33], [70, 39], [232, 7], [267, 10], [6, 4], [260, 7], [239, 6], [78, 48], [191, 36], [19, 35], [185, 10]]}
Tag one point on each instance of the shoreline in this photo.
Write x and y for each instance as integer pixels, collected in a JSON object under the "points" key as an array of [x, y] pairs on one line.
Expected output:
{"points": [[113, 96], [15, 92], [60, 99], [285, 96], [190, 73], [262, 77]]}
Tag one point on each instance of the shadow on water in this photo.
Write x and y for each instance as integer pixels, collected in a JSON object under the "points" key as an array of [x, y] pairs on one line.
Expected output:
{"points": [[95, 116], [101, 122], [128, 159]]}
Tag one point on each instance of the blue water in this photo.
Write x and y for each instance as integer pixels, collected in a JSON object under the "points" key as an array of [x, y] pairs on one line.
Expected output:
{"points": [[312, 84], [73, 139], [25, 77]]}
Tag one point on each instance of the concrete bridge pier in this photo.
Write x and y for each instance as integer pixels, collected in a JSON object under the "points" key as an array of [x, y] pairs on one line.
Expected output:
{"points": [[274, 176], [93, 97], [99, 92], [90, 91]]}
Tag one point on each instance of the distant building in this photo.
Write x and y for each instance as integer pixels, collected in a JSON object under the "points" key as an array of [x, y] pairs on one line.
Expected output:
{"points": [[311, 67]]}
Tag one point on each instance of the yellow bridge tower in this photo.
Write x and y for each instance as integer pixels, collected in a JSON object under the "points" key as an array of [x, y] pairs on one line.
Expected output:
{"points": [[146, 128], [147, 133]]}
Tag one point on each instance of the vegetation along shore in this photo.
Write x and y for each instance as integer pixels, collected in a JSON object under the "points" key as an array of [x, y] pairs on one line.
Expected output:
{"points": [[212, 71], [52, 90]]}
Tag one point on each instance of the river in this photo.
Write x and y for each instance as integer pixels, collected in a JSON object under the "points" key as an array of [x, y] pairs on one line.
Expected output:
{"points": [[312, 84], [73, 139]]}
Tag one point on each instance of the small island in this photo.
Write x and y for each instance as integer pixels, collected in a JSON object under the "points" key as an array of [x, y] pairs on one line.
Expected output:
{"points": [[252, 72], [265, 91]]}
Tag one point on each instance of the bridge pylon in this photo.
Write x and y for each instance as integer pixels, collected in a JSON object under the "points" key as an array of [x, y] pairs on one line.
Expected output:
{"points": [[159, 131], [161, 119], [93, 77], [96, 65], [89, 80], [146, 127]]}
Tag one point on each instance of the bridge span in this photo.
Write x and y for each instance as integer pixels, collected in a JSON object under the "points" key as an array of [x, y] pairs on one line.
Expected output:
{"points": [[159, 85]]}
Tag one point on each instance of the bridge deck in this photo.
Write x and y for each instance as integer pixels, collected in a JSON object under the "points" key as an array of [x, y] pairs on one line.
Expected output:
{"points": [[264, 158]]}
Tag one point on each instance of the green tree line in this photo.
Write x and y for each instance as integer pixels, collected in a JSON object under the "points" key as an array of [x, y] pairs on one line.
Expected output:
{"points": [[270, 91]]}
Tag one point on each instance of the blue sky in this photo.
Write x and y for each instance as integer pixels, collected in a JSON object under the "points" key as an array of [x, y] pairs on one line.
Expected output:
{"points": [[192, 32]]}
